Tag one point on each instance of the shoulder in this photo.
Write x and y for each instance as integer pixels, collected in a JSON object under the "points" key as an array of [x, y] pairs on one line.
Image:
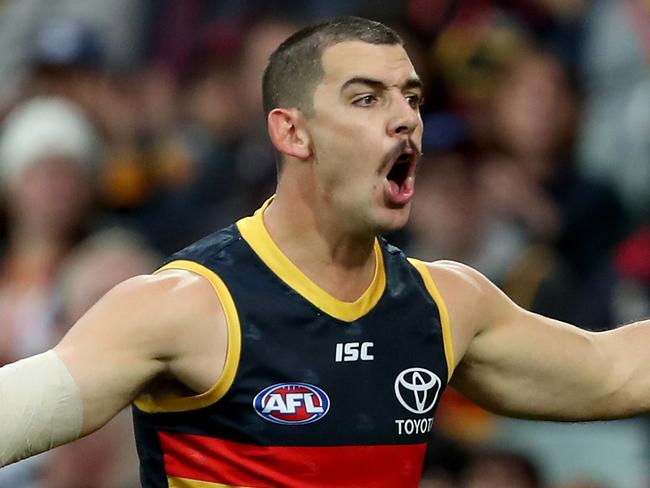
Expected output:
{"points": [[160, 312], [172, 292], [473, 302], [469, 290], [455, 279]]}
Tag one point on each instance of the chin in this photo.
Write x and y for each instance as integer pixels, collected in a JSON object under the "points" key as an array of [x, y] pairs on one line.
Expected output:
{"points": [[393, 219]]}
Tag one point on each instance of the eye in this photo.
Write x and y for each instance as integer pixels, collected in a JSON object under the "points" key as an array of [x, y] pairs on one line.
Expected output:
{"points": [[365, 101], [415, 101]]}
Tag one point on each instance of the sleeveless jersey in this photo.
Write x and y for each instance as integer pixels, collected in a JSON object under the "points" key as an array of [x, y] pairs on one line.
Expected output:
{"points": [[315, 392]]}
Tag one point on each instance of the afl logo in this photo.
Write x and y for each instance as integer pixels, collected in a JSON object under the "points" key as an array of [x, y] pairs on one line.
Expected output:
{"points": [[292, 403], [417, 389]]}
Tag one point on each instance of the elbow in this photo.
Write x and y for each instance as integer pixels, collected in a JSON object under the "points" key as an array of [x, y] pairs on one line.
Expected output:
{"points": [[618, 392]]}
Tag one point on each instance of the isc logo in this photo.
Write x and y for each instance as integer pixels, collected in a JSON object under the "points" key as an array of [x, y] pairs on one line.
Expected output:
{"points": [[291, 403], [354, 351]]}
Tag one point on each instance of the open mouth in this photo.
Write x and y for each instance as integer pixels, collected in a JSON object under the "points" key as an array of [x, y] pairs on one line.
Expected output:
{"points": [[399, 179], [401, 169]]}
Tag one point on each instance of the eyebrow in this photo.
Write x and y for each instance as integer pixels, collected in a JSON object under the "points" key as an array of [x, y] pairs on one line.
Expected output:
{"points": [[413, 82]]}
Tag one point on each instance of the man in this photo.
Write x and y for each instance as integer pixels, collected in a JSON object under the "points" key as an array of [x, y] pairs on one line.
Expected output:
{"points": [[49, 152], [297, 349]]}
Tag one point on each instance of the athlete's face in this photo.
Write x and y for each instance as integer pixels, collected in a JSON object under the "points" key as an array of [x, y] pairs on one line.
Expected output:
{"points": [[366, 133]]}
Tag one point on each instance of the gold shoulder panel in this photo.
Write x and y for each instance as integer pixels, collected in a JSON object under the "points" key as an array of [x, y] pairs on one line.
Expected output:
{"points": [[442, 309]]}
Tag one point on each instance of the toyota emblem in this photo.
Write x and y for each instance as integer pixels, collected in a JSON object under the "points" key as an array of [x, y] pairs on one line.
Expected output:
{"points": [[417, 389]]}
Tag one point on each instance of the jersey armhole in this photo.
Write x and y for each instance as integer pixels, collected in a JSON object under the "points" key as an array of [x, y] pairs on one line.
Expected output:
{"points": [[442, 309], [155, 404]]}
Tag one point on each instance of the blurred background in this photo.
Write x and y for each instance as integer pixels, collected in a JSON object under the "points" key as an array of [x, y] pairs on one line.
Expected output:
{"points": [[130, 128]]}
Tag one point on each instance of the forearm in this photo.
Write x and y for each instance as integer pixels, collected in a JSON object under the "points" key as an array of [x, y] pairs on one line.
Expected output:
{"points": [[41, 407]]}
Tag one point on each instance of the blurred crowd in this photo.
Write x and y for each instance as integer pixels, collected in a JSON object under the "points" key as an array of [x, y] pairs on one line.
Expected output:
{"points": [[130, 128]]}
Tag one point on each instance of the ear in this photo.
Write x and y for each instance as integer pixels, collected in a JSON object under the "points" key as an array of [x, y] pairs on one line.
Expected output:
{"points": [[288, 132]]}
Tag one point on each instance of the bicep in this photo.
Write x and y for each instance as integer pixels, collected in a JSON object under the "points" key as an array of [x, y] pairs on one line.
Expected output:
{"points": [[514, 362], [534, 367], [119, 346]]}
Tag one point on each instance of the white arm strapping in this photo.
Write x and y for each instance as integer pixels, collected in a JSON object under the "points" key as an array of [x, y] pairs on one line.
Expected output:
{"points": [[40, 407]]}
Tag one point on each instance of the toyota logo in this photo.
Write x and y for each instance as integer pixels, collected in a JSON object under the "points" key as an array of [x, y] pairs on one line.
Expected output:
{"points": [[417, 389]]}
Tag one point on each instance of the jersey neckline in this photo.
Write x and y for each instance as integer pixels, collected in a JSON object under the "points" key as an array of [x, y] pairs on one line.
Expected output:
{"points": [[254, 232]]}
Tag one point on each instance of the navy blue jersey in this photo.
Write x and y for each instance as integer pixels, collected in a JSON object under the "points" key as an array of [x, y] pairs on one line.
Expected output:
{"points": [[315, 391]]}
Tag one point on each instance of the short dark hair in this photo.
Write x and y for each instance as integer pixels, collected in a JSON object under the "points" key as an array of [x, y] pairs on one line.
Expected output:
{"points": [[295, 67]]}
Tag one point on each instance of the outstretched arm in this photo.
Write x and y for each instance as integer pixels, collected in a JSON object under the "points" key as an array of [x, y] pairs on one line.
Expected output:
{"points": [[518, 363], [147, 327]]}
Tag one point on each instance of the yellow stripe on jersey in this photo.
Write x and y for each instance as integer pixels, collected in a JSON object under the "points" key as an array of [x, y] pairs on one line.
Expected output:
{"points": [[254, 232], [442, 309], [188, 483], [172, 403]]}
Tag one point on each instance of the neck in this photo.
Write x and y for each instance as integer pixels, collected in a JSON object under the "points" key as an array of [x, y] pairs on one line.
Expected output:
{"points": [[311, 234]]}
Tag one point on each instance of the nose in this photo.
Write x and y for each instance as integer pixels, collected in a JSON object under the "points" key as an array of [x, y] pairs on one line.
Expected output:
{"points": [[404, 119]]}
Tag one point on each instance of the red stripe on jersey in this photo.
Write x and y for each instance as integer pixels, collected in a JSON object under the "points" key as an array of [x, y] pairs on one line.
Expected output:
{"points": [[215, 460]]}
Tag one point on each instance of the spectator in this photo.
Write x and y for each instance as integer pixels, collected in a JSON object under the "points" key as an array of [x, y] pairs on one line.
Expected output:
{"points": [[48, 155], [452, 218], [613, 140], [532, 178]]}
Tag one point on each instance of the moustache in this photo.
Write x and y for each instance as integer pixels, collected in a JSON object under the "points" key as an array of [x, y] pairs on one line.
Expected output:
{"points": [[405, 145]]}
